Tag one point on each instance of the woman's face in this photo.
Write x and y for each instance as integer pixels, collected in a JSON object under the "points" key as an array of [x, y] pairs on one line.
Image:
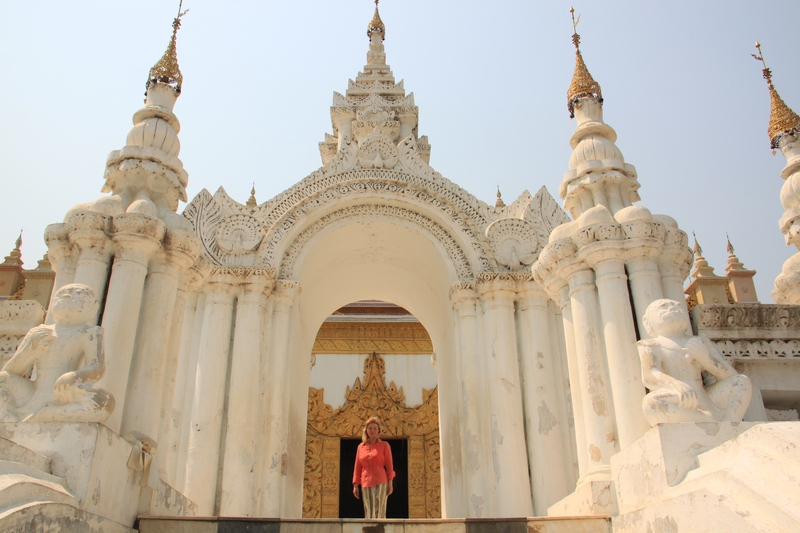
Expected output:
{"points": [[372, 430]]}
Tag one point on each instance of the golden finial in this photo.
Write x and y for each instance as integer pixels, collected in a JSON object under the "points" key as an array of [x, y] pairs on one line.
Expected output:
{"points": [[376, 24], [499, 202], [251, 202], [697, 250], [15, 257], [582, 82], [730, 246], [782, 119], [166, 71]]}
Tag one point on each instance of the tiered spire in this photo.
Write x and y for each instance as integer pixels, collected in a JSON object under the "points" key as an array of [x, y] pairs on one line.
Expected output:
{"points": [[251, 202], [15, 257], [166, 70], [582, 82]]}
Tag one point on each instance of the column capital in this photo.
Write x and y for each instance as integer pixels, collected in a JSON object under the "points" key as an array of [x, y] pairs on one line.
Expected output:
{"points": [[498, 285], [59, 247], [197, 273], [532, 294], [89, 231], [598, 232], [137, 236], [285, 291], [181, 247]]}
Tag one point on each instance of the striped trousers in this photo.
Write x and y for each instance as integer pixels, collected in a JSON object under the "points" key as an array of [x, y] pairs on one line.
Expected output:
{"points": [[374, 499]]}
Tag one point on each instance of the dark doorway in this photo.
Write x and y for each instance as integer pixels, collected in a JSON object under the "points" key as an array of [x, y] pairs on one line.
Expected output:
{"points": [[397, 505]]}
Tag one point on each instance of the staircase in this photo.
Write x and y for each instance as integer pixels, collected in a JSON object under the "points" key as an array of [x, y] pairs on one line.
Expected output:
{"points": [[33, 499]]}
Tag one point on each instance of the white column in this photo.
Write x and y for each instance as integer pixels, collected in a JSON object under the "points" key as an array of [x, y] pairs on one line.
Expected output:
{"points": [[240, 441], [547, 457], [62, 256], [183, 317], [150, 361], [512, 484], [136, 237], [203, 451], [185, 402], [645, 240], [575, 386], [598, 410], [476, 436], [674, 264], [88, 231], [275, 452], [624, 368]]}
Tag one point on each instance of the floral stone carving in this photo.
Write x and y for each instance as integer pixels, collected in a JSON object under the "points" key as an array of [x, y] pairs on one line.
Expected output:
{"points": [[50, 377]]}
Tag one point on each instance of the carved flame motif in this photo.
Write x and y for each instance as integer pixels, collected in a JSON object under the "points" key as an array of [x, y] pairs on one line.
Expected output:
{"points": [[372, 397]]}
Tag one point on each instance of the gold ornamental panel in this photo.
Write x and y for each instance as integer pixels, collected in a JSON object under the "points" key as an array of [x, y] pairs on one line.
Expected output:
{"points": [[369, 337], [372, 397]]}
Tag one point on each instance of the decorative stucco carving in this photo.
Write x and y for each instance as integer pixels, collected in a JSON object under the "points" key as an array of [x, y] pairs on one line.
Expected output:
{"points": [[455, 253], [372, 397], [238, 235], [377, 151], [748, 316], [760, 349], [513, 242], [368, 337]]}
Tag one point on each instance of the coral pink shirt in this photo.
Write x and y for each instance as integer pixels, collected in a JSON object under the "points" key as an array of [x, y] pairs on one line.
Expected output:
{"points": [[373, 464]]}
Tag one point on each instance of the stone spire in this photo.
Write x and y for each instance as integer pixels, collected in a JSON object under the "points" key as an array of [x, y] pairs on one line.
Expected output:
{"points": [[705, 287], [15, 257], [148, 166], [375, 111], [598, 173], [251, 202], [740, 280], [499, 203], [784, 133]]}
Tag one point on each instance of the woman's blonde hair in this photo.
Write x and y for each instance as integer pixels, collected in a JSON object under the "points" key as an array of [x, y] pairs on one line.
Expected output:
{"points": [[371, 420]]}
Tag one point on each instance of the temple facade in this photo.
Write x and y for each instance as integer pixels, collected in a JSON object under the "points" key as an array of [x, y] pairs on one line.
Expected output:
{"points": [[243, 345]]}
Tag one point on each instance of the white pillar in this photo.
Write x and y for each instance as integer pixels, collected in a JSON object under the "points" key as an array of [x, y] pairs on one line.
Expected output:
{"points": [[62, 256], [624, 368], [136, 237], [476, 436], [275, 453], [183, 316], [150, 361], [642, 247], [598, 410], [203, 451], [547, 457], [88, 231], [575, 388], [240, 441], [511, 481], [674, 264]]}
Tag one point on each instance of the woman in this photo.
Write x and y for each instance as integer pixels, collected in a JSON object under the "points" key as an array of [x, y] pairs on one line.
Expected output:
{"points": [[374, 471]]}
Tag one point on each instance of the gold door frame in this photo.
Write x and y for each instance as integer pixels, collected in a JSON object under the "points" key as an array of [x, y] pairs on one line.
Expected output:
{"points": [[372, 397]]}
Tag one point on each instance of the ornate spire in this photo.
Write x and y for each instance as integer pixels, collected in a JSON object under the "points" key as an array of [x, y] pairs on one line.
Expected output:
{"points": [[15, 257], [782, 119], [582, 82], [166, 71], [499, 202], [251, 202], [733, 261], [376, 24]]}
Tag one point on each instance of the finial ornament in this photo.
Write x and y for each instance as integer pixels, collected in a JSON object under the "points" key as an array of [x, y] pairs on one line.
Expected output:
{"points": [[499, 202], [166, 71], [697, 250], [730, 246], [582, 82], [376, 24], [251, 202], [782, 120]]}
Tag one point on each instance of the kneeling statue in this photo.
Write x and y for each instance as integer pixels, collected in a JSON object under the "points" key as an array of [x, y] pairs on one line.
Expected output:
{"points": [[673, 364], [68, 358]]}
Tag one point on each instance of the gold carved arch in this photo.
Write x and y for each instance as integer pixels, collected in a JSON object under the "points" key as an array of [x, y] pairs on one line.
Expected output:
{"points": [[372, 397]]}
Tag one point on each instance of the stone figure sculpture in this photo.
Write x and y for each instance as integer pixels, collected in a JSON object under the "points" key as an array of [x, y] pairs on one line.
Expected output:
{"points": [[50, 376], [673, 364]]}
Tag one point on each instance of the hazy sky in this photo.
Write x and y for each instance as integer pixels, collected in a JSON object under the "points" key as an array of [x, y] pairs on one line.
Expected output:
{"points": [[687, 101]]}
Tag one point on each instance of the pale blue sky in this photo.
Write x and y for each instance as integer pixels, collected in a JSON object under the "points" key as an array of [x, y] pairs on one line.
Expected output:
{"points": [[687, 101]]}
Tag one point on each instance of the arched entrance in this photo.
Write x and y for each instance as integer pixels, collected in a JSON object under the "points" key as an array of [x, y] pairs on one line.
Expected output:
{"points": [[395, 262]]}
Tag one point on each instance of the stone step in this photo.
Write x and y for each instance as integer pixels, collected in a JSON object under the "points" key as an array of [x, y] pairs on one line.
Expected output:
{"points": [[11, 451], [54, 517], [22, 484], [594, 524]]}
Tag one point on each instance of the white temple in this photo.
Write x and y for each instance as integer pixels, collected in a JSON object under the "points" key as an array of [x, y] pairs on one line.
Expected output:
{"points": [[509, 347]]}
